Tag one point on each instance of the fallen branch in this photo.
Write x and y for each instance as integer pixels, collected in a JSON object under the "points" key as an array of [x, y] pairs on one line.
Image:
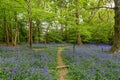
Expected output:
{"points": [[62, 67]]}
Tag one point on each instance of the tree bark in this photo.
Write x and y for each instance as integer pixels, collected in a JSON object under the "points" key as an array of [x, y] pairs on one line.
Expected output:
{"points": [[78, 39], [29, 24], [116, 42], [15, 31], [6, 30], [38, 31]]}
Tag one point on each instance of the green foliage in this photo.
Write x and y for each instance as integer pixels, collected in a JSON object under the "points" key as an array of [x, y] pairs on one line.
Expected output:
{"points": [[95, 24], [100, 32]]}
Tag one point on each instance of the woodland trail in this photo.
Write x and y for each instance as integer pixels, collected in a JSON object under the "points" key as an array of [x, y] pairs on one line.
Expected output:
{"points": [[61, 66]]}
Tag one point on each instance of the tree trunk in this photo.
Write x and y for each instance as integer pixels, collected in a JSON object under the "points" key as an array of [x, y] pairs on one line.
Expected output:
{"points": [[29, 24], [116, 41], [78, 36], [66, 37], [38, 31], [18, 37], [79, 39], [14, 37], [6, 30], [15, 31]]}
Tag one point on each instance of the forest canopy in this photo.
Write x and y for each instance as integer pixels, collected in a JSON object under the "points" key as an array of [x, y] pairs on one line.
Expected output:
{"points": [[55, 20]]}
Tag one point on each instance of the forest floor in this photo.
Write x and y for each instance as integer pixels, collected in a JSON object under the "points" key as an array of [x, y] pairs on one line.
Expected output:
{"points": [[61, 66], [37, 49]]}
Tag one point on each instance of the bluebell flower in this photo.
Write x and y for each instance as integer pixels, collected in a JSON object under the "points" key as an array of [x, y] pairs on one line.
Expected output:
{"points": [[91, 56]]}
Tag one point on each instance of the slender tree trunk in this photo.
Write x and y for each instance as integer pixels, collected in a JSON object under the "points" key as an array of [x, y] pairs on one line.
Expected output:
{"points": [[6, 30], [39, 35], [66, 33], [3, 32], [61, 31], [13, 37], [38, 31], [116, 41], [7, 34], [15, 31], [30, 32], [78, 39], [46, 35], [29, 24], [18, 37]]}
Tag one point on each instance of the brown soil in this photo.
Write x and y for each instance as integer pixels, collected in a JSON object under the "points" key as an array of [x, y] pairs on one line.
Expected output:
{"points": [[61, 65]]}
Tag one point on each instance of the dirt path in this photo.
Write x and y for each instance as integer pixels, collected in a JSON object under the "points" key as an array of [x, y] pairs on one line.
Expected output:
{"points": [[61, 65], [37, 49]]}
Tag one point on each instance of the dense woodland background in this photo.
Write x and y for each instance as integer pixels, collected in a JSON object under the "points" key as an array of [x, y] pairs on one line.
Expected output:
{"points": [[36, 21]]}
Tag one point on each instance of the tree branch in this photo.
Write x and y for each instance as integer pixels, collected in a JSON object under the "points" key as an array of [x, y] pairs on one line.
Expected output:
{"points": [[102, 7]]}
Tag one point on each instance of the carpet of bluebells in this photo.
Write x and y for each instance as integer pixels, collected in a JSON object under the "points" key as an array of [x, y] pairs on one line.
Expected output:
{"points": [[92, 62], [22, 63]]}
